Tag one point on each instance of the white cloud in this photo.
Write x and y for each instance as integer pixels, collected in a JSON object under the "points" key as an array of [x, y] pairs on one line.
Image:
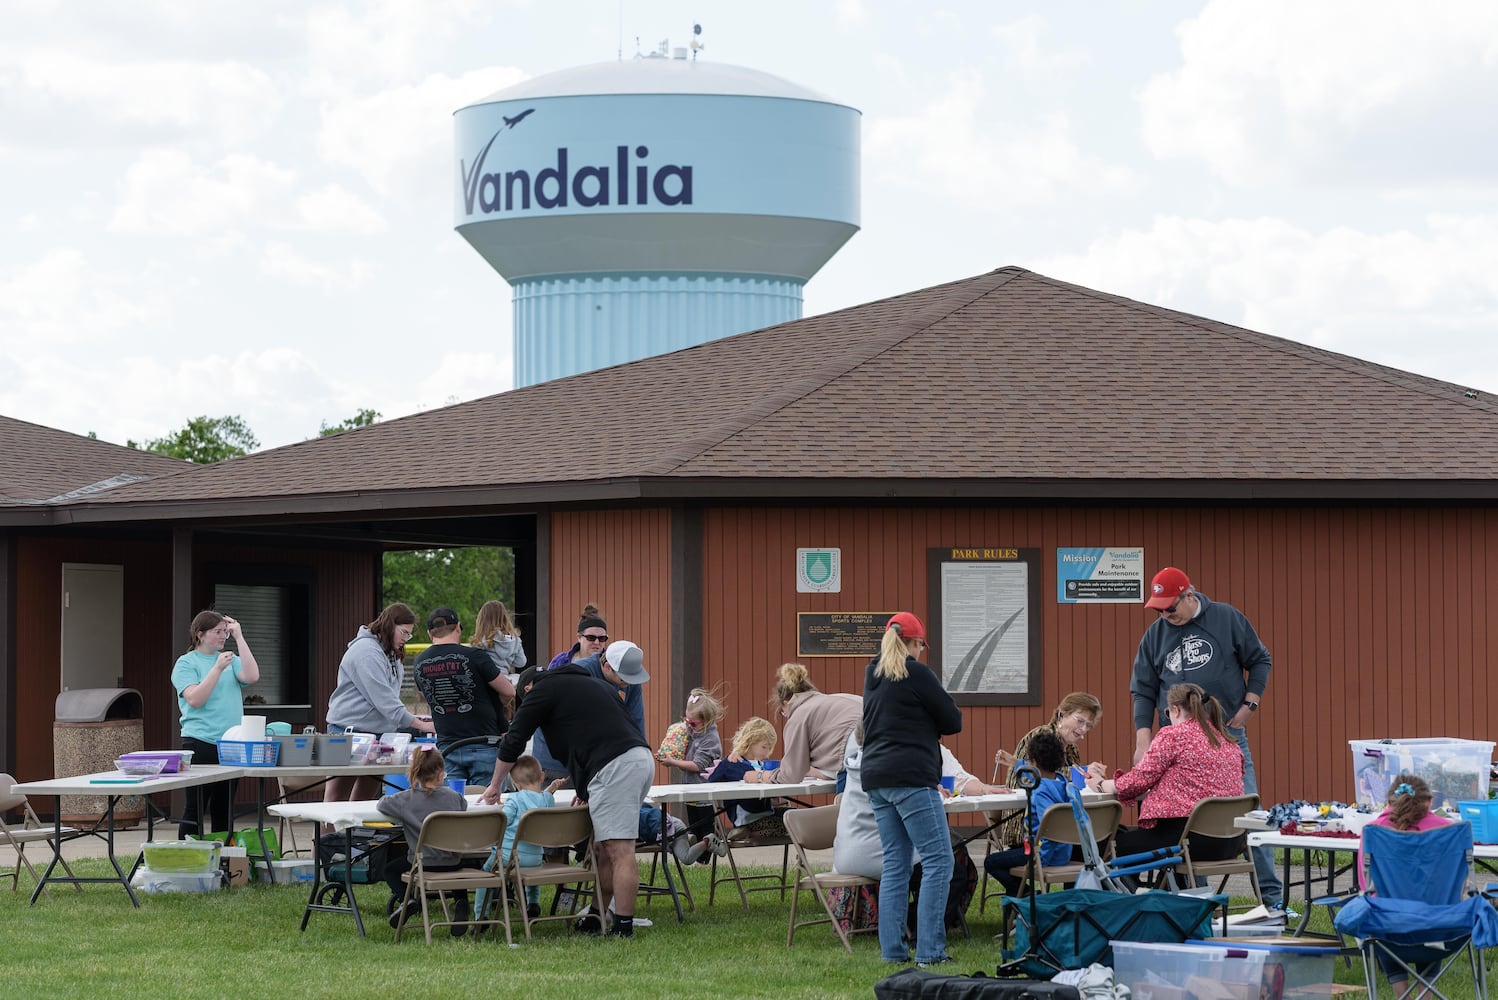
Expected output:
{"points": [[64, 298], [167, 193], [133, 99], [1337, 90], [1423, 301], [972, 146], [334, 209], [281, 260], [404, 133], [1025, 53], [385, 40]]}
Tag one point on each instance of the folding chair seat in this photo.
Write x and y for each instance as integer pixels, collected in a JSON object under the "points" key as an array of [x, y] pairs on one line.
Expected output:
{"points": [[29, 831], [814, 830], [742, 837], [557, 827], [471, 834], [1417, 915], [1213, 817], [1059, 823]]}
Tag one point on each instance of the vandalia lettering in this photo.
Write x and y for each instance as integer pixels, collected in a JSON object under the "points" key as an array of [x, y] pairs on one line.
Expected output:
{"points": [[622, 183]]}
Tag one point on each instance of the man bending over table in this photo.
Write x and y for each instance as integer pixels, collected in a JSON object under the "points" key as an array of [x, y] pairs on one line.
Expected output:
{"points": [[611, 766]]}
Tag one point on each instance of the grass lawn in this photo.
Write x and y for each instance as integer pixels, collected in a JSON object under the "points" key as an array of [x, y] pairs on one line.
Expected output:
{"points": [[245, 943]]}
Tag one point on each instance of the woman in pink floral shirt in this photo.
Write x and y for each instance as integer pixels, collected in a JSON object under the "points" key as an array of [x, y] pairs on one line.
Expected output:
{"points": [[1191, 759]]}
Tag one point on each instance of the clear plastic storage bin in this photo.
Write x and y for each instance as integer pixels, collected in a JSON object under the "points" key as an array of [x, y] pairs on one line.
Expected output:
{"points": [[1455, 769]]}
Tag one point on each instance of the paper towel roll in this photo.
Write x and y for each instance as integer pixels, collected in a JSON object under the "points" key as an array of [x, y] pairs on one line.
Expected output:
{"points": [[253, 727]]}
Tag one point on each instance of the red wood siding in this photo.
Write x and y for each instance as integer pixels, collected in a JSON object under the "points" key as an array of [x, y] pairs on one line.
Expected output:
{"points": [[620, 561], [1376, 618]]}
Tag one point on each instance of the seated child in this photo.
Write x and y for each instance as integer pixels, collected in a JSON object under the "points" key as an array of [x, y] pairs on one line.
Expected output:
{"points": [[1048, 756], [428, 793], [529, 794], [753, 741]]}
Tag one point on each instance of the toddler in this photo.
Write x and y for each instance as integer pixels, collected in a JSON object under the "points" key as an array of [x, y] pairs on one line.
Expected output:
{"points": [[753, 741], [529, 794], [692, 746], [428, 793]]}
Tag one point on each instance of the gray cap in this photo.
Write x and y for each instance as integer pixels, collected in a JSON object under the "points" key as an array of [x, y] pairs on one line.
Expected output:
{"points": [[627, 660]]}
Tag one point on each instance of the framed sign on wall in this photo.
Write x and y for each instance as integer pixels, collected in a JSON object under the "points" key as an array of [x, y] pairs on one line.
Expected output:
{"points": [[984, 630]]}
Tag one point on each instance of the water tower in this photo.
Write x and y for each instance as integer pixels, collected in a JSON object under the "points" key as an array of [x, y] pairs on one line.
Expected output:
{"points": [[646, 205]]}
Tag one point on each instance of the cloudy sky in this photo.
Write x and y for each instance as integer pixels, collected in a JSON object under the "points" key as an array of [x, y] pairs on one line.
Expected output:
{"points": [[229, 208]]}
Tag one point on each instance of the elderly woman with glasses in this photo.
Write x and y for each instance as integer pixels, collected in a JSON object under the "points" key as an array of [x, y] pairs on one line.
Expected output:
{"points": [[1078, 714], [209, 681], [368, 696]]}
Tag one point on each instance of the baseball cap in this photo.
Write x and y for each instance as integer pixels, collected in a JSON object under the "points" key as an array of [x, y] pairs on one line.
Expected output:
{"points": [[627, 660], [1167, 585], [910, 625], [441, 618]]}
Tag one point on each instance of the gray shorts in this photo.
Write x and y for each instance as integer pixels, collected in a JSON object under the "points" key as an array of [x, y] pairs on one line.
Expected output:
{"points": [[616, 793]]}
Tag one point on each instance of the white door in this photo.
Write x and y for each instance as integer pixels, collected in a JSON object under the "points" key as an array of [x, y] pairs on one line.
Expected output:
{"points": [[93, 626]]}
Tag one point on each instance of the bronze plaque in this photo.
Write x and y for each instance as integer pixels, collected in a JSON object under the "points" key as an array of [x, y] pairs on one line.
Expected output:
{"points": [[840, 633]]}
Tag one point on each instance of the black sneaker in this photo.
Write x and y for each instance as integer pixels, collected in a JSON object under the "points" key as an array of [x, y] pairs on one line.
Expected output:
{"points": [[589, 923], [942, 960], [401, 914], [533, 910], [460, 915]]}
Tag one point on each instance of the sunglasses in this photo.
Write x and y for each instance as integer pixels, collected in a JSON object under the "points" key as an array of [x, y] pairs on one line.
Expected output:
{"points": [[1172, 609], [594, 638]]}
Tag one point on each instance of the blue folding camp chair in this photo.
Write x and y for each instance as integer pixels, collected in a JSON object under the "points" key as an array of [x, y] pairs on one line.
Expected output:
{"points": [[1098, 874], [1417, 915]]}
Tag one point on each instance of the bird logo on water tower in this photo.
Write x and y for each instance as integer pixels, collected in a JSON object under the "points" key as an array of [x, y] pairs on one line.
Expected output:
{"points": [[819, 571]]}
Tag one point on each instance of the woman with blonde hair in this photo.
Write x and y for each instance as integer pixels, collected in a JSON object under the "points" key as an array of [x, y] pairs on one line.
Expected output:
{"points": [[816, 727], [495, 633], [906, 712]]}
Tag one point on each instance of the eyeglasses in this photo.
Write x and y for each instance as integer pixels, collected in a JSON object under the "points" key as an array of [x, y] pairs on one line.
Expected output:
{"points": [[218, 631], [1083, 722], [594, 638], [1172, 609]]}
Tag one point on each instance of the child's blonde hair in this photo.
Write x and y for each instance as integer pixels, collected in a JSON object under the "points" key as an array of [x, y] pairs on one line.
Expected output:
{"points": [[426, 767], [752, 731], [526, 772], [704, 706]]}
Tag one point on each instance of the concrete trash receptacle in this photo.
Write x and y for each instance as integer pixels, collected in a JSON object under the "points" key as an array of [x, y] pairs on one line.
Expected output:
{"points": [[92, 727]]}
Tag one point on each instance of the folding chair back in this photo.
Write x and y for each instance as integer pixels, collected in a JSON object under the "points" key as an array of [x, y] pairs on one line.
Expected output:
{"points": [[464, 833], [1059, 823], [1213, 817], [290, 787], [559, 826], [1418, 917], [814, 830], [29, 831]]}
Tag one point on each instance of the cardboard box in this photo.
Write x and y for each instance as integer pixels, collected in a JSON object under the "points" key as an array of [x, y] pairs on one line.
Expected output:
{"points": [[236, 870]]}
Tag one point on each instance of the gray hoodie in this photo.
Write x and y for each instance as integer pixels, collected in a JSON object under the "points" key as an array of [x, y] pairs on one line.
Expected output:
{"points": [[508, 654], [368, 696]]}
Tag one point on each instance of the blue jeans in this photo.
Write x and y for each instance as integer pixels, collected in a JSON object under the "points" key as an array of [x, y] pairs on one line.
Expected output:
{"points": [[1270, 887], [474, 764], [911, 819]]}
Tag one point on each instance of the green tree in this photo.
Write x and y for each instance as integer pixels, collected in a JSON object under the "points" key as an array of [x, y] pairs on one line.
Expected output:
{"points": [[462, 579], [205, 440], [363, 418]]}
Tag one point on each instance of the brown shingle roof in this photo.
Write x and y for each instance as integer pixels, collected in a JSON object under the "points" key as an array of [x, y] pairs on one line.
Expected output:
{"points": [[40, 463], [1002, 381]]}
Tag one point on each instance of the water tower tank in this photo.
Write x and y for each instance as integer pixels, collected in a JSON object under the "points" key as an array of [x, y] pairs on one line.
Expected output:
{"points": [[642, 206]]}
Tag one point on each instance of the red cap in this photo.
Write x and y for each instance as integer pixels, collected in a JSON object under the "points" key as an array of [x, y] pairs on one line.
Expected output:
{"points": [[910, 625], [1167, 585]]}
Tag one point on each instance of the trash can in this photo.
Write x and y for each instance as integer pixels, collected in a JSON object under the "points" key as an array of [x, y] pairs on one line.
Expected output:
{"points": [[92, 727]]}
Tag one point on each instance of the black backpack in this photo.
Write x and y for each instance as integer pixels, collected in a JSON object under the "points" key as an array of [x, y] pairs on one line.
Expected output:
{"points": [[959, 891]]}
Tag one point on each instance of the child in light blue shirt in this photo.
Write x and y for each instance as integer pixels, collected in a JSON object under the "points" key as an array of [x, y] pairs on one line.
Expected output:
{"points": [[529, 795]]}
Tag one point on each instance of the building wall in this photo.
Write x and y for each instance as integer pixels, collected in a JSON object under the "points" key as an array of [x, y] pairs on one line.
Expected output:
{"points": [[620, 561], [1376, 618]]}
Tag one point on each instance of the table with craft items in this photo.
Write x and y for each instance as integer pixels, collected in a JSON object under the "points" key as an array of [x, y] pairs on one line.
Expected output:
{"points": [[716, 793], [337, 896], [1308, 845], [114, 786]]}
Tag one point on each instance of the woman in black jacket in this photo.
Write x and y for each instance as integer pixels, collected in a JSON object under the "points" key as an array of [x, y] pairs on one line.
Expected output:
{"points": [[906, 712]]}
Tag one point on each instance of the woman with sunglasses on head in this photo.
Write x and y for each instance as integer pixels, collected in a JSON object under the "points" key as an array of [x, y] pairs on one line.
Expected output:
{"points": [[368, 696], [209, 681], [1078, 714]]}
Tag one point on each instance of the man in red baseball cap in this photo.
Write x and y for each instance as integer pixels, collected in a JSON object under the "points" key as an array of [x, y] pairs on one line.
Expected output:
{"points": [[1197, 640]]}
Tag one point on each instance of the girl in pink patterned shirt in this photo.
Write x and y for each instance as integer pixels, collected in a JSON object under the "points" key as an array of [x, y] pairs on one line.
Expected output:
{"points": [[1191, 759]]}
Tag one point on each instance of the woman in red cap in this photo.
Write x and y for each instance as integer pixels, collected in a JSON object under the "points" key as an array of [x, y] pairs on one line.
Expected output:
{"points": [[906, 712]]}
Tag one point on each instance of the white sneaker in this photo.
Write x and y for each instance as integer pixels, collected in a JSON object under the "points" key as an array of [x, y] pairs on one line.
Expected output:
{"points": [[688, 852], [720, 846]]}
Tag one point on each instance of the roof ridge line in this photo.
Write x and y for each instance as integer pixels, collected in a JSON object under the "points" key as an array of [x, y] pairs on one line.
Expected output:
{"points": [[715, 433], [1413, 381]]}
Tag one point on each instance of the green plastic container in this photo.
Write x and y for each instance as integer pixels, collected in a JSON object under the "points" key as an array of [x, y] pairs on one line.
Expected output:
{"points": [[181, 856]]}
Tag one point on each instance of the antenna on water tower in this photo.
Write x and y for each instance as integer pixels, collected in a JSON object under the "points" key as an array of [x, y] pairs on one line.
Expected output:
{"points": [[695, 45]]}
